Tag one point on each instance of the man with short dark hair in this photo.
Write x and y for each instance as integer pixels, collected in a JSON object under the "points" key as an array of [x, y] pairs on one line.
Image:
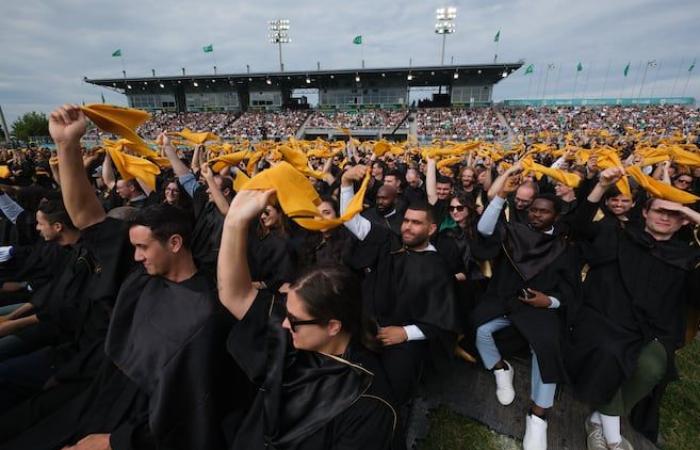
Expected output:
{"points": [[407, 289], [166, 381], [384, 212], [534, 278]]}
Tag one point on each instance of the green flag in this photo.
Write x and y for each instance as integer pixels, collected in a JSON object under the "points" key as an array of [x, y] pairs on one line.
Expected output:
{"points": [[497, 37], [692, 66], [627, 69], [117, 52], [579, 67], [208, 48], [357, 40], [529, 69]]}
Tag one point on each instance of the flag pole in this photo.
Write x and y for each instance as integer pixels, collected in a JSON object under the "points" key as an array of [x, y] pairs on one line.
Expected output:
{"points": [[636, 77], [573, 95], [213, 56], [605, 81], [121, 57], [585, 82], [644, 79], [556, 83], [678, 74], [690, 72], [657, 69], [529, 86]]}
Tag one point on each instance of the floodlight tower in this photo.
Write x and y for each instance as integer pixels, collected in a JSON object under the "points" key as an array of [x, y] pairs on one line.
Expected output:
{"points": [[279, 34], [445, 25]]}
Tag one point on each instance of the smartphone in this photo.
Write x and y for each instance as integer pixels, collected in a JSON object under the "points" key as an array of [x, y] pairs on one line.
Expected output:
{"points": [[524, 293]]}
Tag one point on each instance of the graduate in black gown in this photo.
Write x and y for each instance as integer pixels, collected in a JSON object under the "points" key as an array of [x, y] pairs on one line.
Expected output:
{"points": [[271, 256], [81, 296], [534, 286], [319, 384], [330, 246], [167, 381], [407, 290], [632, 318], [209, 205]]}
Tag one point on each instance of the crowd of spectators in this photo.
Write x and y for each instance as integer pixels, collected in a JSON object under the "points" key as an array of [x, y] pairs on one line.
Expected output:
{"points": [[613, 118], [491, 124], [460, 124], [358, 120]]}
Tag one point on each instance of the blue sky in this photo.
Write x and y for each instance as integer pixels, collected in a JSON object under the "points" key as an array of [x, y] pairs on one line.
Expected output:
{"points": [[48, 46]]}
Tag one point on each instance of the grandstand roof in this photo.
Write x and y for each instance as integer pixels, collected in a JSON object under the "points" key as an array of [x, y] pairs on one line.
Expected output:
{"points": [[421, 76]]}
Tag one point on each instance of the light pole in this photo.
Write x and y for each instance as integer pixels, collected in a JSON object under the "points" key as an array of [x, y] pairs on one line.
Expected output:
{"points": [[445, 25], [279, 34]]}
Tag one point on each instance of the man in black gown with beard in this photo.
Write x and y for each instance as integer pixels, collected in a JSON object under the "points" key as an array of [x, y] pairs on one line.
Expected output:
{"points": [[166, 381], [407, 289]]}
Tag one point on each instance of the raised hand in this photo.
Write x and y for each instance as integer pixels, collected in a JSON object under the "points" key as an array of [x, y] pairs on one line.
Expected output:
{"points": [[248, 204], [353, 174], [610, 176], [67, 124]]}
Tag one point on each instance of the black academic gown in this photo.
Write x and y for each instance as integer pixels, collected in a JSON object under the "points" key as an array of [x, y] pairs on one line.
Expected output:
{"points": [[305, 400], [525, 258], [271, 259], [636, 290], [402, 287], [167, 381], [208, 226], [392, 221]]}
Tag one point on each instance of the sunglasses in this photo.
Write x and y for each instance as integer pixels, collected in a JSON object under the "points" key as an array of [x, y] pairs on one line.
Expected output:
{"points": [[459, 208], [294, 323]]}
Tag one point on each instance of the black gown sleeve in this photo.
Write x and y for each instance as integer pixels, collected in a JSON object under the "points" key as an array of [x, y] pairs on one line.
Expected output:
{"points": [[368, 425]]}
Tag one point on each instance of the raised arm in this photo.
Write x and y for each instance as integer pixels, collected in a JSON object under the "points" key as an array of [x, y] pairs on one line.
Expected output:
{"points": [[236, 291], [195, 164], [358, 225], [216, 195], [431, 181], [500, 181], [108, 177], [179, 167], [67, 125]]}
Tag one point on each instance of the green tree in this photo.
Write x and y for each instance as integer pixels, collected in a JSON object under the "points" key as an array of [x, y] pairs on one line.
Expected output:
{"points": [[30, 124]]}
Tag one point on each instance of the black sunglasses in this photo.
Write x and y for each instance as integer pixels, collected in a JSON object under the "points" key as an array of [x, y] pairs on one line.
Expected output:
{"points": [[459, 208], [294, 323]]}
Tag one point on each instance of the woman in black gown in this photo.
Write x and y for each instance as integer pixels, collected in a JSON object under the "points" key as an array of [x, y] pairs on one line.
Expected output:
{"points": [[327, 390]]}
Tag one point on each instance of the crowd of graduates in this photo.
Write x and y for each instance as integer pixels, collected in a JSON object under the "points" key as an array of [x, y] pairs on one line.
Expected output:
{"points": [[193, 293]]}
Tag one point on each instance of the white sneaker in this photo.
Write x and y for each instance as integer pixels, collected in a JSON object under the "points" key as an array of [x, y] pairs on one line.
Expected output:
{"points": [[595, 440], [535, 433], [624, 444], [504, 384]]}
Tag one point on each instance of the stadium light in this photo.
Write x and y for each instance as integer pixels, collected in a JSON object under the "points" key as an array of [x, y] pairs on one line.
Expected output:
{"points": [[268, 81], [128, 86], [162, 86], [456, 75], [308, 80], [195, 84], [357, 78], [445, 25], [504, 74], [409, 77], [279, 34]]}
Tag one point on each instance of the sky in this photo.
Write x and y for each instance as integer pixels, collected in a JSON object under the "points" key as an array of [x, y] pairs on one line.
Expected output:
{"points": [[48, 46]]}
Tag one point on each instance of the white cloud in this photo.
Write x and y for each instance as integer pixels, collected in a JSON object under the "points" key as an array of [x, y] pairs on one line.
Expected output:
{"points": [[49, 46]]}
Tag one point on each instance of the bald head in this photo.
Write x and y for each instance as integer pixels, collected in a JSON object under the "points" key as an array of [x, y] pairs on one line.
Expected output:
{"points": [[386, 197]]}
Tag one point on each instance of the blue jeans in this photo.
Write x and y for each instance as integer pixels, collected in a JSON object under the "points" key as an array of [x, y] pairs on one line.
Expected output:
{"points": [[542, 393]]}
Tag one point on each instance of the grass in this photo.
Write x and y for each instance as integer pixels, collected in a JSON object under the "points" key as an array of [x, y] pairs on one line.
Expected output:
{"points": [[680, 416]]}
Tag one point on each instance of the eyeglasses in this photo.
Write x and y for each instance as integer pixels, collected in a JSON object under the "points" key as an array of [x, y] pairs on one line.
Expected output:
{"points": [[684, 181], [294, 323], [459, 208]]}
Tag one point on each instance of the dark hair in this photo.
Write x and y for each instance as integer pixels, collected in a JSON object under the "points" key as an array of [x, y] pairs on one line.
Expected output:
{"points": [[165, 221], [421, 205], [333, 292], [381, 164], [556, 202], [333, 202], [395, 173], [467, 200], [442, 179], [135, 184], [226, 183], [55, 212]]}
